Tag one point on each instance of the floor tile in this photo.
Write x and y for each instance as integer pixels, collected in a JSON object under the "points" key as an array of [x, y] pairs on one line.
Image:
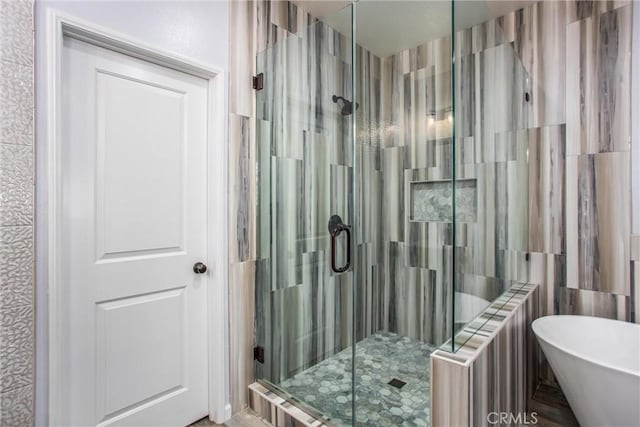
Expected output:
{"points": [[380, 359]]}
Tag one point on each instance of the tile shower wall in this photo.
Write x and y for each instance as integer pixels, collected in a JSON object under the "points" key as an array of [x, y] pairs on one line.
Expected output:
{"points": [[549, 86], [244, 26], [491, 154], [16, 214], [575, 133], [583, 85], [547, 142], [415, 146]]}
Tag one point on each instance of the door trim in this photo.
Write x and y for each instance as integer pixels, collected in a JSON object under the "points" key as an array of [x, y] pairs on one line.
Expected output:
{"points": [[59, 25]]}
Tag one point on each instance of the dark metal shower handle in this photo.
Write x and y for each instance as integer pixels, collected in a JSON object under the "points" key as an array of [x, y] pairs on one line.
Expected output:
{"points": [[336, 227], [334, 236]]}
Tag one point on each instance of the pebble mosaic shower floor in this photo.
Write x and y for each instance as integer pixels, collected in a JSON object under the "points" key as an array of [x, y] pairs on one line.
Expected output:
{"points": [[380, 359]]}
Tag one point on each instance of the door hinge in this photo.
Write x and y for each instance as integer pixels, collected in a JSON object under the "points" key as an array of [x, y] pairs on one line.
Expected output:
{"points": [[258, 354], [258, 81]]}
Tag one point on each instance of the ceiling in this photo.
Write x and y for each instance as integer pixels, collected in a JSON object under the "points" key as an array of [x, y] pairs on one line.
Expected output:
{"points": [[385, 27]]}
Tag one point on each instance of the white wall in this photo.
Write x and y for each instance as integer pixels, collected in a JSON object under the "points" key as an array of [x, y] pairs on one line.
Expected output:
{"points": [[197, 30]]}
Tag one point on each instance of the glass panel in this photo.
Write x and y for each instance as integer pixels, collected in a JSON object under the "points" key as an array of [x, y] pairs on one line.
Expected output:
{"points": [[492, 107], [304, 157], [403, 180]]}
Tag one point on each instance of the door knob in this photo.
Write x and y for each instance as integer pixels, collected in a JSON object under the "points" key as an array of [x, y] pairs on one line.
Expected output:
{"points": [[199, 268]]}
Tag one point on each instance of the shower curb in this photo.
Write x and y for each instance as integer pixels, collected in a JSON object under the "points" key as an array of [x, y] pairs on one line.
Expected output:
{"points": [[279, 411]]}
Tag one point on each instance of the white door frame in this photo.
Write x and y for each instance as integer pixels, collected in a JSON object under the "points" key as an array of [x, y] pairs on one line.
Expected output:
{"points": [[58, 26]]}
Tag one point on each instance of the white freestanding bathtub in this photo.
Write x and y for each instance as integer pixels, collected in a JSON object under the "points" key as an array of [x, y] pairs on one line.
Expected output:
{"points": [[597, 363]]}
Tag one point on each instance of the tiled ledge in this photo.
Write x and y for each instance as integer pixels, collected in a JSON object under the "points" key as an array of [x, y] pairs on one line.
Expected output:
{"points": [[471, 340], [277, 410], [493, 369]]}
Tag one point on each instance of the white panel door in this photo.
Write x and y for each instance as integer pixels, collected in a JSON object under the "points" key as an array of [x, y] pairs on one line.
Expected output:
{"points": [[134, 182]]}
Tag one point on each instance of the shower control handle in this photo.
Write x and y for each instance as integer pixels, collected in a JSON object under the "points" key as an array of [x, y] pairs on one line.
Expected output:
{"points": [[336, 227]]}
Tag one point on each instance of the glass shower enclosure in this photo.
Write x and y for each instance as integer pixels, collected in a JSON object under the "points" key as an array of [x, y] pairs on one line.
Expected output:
{"points": [[305, 176], [374, 172]]}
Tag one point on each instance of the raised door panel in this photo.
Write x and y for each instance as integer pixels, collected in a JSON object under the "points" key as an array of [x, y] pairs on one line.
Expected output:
{"points": [[140, 167], [141, 344]]}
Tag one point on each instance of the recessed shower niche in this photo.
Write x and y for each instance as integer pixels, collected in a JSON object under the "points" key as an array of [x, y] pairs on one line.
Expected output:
{"points": [[431, 201]]}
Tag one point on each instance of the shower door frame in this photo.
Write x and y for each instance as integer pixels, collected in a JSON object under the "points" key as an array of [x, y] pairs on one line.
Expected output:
{"points": [[266, 168]]}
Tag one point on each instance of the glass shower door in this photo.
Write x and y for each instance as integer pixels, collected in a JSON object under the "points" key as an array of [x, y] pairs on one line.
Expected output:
{"points": [[496, 154], [304, 158], [404, 184]]}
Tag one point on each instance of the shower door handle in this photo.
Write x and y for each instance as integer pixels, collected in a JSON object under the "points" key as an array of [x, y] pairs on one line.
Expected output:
{"points": [[336, 227]]}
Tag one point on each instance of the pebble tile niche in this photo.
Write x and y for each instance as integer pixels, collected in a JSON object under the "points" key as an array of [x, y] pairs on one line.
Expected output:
{"points": [[431, 201]]}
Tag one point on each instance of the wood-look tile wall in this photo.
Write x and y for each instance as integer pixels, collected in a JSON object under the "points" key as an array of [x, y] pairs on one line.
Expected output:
{"points": [[255, 26], [577, 70], [492, 142], [591, 68]]}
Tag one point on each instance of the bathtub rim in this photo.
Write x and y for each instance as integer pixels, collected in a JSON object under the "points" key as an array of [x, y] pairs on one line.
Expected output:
{"points": [[582, 356]]}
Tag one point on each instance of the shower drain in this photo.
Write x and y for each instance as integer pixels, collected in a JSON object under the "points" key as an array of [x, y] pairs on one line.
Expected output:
{"points": [[397, 383]]}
